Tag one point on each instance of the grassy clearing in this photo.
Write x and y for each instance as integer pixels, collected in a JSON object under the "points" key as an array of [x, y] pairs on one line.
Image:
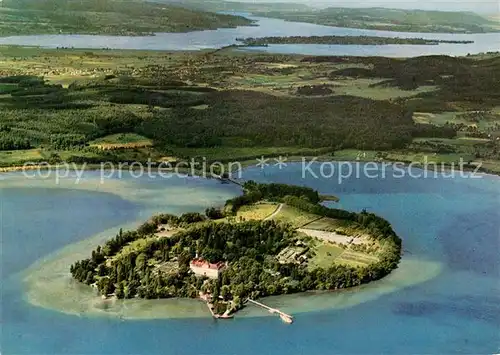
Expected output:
{"points": [[460, 141], [325, 256], [7, 88], [136, 246], [256, 212], [267, 80], [355, 154], [294, 216], [122, 141], [136, 154], [242, 153], [429, 158], [433, 118], [200, 107], [325, 224], [354, 258], [121, 138], [65, 80], [69, 154], [12, 157], [363, 88], [471, 140], [286, 85], [481, 120]]}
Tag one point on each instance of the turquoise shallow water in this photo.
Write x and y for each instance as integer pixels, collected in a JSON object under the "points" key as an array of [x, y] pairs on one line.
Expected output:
{"points": [[454, 222]]}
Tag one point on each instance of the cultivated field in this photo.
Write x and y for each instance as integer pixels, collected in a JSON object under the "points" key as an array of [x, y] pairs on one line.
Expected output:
{"points": [[294, 216], [88, 106], [121, 141], [256, 212]]}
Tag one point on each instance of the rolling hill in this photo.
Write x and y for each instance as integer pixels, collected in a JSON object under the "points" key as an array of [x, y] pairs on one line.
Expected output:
{"points": [[107, 17]]}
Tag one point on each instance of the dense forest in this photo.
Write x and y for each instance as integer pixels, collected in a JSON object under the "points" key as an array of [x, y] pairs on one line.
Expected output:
{"points": [[459, 79], [160, 267], [167, 106], [256, 118]]}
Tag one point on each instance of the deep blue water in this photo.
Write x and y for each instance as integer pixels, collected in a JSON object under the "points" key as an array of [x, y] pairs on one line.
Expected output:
{"points": [[33, 221], [452, 221], [270, 27]]}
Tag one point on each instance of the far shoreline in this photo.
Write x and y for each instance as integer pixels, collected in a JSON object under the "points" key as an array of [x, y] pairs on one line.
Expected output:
{"points": [[186, 172]]}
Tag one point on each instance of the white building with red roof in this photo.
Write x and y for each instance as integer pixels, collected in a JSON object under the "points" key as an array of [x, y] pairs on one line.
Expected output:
{"points": [[202, 267]]}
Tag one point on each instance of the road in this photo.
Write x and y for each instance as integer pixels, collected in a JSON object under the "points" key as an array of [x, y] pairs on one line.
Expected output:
{"points": [[275, 213]]}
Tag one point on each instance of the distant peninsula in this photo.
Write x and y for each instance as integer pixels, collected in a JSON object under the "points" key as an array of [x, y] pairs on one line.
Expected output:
{"points": [[274, 239], [344, 40], [106, 17], [385, 19]]}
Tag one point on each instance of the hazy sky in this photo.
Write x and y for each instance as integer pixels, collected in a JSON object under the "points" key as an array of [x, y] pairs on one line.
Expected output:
{"points": [[483, 6]]}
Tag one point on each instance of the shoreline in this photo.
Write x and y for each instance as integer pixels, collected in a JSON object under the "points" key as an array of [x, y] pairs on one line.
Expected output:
{"points": [[48, 284], [54, 289], [343, 40], [417, 165], [245, 164]]}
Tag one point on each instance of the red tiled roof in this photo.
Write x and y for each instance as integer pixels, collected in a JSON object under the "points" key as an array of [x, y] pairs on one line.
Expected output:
{"points": [[205, 264]]}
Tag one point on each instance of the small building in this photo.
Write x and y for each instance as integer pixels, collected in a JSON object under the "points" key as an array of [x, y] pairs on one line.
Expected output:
{"points": [[202, 267]]}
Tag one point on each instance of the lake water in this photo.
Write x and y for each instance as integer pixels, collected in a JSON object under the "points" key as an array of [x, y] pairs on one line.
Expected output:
{"points": [[450, 302], [270, 27]]}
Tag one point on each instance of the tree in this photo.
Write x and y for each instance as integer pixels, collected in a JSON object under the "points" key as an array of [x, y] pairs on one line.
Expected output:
{"points": [[184, 258], [105, 286], [101, 270], [225, 292], [90, 278], [120, 291], [141, 262], [214, 213]]}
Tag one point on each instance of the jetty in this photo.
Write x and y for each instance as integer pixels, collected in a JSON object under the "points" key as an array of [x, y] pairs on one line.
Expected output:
{"points": [[287, 318], [227, 314], [227, 180]]}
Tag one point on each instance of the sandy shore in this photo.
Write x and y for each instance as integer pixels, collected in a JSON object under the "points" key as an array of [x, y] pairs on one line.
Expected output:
{"points": [[49, 285], [9, 169]]}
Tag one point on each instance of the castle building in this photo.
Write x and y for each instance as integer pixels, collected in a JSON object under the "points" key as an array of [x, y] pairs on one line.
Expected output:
{"points": [[202, 267]]}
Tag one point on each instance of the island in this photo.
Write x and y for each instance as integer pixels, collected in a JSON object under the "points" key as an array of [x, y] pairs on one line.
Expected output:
{"points": [[344, 40], [106, 17], [274, 239]]}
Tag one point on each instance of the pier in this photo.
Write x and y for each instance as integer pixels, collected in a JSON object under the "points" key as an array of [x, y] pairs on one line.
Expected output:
{"points": [[210, 306], [228, 180], [287, 318]]}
